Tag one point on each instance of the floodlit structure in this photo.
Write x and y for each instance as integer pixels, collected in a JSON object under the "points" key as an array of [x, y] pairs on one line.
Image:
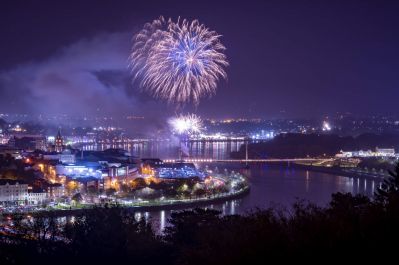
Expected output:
{"points": [[379, 152], [79, 170], [178, 171]]}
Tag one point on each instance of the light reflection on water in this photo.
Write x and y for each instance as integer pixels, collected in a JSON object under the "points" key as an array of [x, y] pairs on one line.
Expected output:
{"points": [[270, 184], [169, 149], [274, 186]]}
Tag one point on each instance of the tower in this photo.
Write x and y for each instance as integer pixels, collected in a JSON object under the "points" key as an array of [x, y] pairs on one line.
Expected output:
{"points": [[59, 142]]}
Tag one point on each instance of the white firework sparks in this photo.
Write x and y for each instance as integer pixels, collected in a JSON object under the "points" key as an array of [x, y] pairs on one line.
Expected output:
{"points": [[186, 124], [178, 61]]}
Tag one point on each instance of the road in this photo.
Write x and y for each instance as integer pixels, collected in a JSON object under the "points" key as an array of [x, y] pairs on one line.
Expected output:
{"points": [[266, 160]]}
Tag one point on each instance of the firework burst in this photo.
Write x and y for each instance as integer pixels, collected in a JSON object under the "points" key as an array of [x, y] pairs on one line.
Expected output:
{"points": [[178, 61], [186, 124]]}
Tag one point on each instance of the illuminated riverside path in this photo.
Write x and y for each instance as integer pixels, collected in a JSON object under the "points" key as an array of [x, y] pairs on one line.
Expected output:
{"points": [[265, 160]]}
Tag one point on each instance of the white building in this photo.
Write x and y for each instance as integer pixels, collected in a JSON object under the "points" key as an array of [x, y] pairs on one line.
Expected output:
{"points": [[37, 197], [13, 192], [66, 157], [379, 152], [344, 154], [387, 152]]}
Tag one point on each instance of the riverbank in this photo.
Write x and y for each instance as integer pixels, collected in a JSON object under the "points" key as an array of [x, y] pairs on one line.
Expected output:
{"points": [[347, 172], [144, 206]]}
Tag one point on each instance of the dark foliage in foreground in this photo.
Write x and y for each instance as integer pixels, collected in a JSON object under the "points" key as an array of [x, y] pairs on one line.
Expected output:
{"points": [[350, 226]]}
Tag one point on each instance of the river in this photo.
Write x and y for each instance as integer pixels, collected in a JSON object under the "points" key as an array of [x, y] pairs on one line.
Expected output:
{"points": [[271, 185]]}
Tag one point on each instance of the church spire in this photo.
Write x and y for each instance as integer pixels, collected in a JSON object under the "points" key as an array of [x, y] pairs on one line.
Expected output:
{"points": [[59, 133], [59, 142]]}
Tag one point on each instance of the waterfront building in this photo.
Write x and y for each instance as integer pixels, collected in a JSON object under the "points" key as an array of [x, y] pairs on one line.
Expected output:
{"points": [[37, 196], [17, 192], [388, 152], [55, 190], [178, 171], [13, 192], [379, 152]]}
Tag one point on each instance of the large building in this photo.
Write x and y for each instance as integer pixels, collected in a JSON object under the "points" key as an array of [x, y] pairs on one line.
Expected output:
{"points": [[379, 152], [65, 157], [16, 192], [388, 152], [178, 171], [37, 197], [13, 192], [81, 170], [98, 164], [14, 152], [55, 191], [28, 142]]}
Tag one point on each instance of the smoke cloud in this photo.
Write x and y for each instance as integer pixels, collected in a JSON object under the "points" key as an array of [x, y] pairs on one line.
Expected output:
{"points": [[85, 78], [89, 77]]}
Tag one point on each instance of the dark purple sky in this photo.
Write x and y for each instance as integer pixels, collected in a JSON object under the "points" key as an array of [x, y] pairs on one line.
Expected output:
{"points": [[287, 58]]}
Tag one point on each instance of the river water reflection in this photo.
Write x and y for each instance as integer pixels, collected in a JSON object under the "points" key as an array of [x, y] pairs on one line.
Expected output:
{"points": [[271, 185], [283, 186], [170, 149]]}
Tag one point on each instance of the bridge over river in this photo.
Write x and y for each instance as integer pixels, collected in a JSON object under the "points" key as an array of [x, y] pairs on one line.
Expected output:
{"points": [[265, 160]]}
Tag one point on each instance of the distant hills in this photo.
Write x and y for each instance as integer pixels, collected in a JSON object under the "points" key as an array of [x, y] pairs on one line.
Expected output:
{"points": [[302, 145]]}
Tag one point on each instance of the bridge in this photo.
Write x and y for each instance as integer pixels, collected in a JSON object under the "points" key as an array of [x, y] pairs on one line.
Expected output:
{"points": [[225, 140], [266, 160]]}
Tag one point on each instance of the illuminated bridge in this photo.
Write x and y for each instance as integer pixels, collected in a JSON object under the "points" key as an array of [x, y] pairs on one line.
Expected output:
{"points": [[266, 160]]}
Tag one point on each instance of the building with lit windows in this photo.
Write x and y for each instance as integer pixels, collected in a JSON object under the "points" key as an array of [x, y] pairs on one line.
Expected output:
{"points": [[65, 157], [14, 152], [178, 171], [55, 190], [37, 197], [379, 152], [13, 192], [79, 170]]}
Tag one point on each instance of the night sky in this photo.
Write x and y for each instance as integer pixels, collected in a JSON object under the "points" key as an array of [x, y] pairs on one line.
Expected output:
{"points": [[287, 58]]}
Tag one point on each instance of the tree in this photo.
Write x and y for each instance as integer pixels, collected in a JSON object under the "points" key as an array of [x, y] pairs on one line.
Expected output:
{"points": [[388, 192], [185, 225], [109, 234], [77, 198], [92, 190], [139, 183], [199, 192], [42, 227], [110, 192], [125, 188]]}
